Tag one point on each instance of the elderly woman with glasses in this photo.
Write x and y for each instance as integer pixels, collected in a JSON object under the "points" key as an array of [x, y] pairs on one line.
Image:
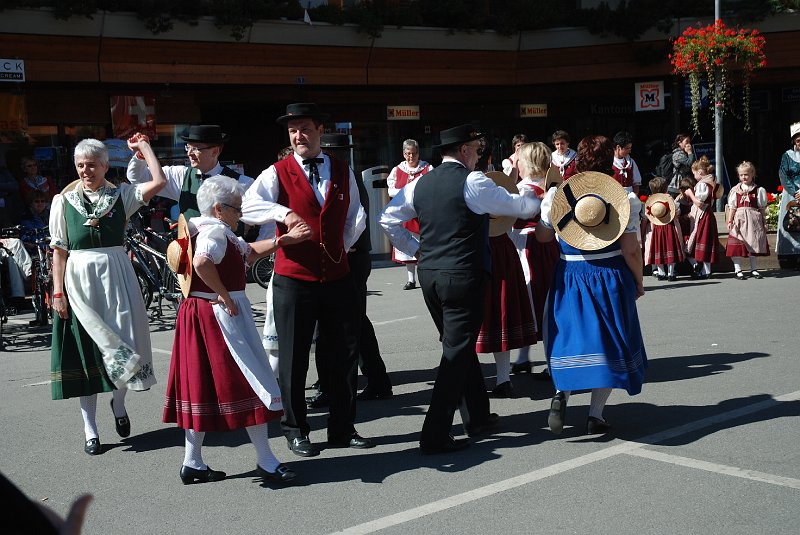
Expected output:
{"points": [[33, 181], [101, 339], [220, 378]]}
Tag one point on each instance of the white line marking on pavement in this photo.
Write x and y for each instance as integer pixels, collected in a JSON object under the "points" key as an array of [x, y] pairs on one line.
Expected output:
{"points": [[42, 383], [717, 468], [162, 351], [523, 479], [394, 321]]}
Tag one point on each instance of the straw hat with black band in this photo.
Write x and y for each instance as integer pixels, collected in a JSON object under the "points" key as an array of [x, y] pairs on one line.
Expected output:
{"points": [[590, 211], [553, 178], [179, 256], [660, 209], [500, 224]]}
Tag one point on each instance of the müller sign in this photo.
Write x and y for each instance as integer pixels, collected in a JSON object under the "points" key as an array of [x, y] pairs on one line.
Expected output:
{"points": [[402, 113], [12, 70]]}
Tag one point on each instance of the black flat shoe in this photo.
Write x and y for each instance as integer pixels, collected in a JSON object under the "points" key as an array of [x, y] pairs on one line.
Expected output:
{"points": [[302, 446], [672, 278], [483, 428], [558, 410], [449, 446], [503, 390], [543, 375], [661, 277], [521, 367], [596, 426], [353, 440], [741, 276], [282, 474], [123, 424], [410, 286], [756, 274], [318, 401], [371, 392], [93, 446], [193, 475]]}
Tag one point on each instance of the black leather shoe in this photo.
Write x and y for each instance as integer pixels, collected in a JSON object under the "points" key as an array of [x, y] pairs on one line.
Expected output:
{"points": [[282, 474], [193, 475], [558, 410], [503, 390], [521, 367], [93, 446], [672, 278], [353, 440], [661, 277], [596, 426], [483, 428], [741, 276], [449, 446], [318, 400], [410, 286], [756, 274], [302, 446], [543, 375], [371, 392], [123, 424]]}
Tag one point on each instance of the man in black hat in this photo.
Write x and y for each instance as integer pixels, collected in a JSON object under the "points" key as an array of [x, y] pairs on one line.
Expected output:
{"points": [[312, 282], [204, 143], [452, 204], [379, 385]]}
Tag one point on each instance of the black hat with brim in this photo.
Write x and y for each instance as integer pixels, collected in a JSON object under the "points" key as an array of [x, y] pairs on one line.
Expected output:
{"points": [[335, 141], [205, 133], [300, 110], [457, 135]]}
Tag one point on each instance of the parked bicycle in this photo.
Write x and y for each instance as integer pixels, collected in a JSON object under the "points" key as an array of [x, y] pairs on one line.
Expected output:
{"points": [[261, 270], [42, 274], [5, 311], [148, 255]]}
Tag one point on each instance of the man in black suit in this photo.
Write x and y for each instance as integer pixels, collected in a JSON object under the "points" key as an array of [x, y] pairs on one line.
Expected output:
{"points": [[452, 204]]}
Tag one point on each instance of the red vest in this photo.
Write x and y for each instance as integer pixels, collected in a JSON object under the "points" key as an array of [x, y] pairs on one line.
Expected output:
{"points": [[321, 258], [624, 176], [401, 179], [231, 271], [747, 200]]}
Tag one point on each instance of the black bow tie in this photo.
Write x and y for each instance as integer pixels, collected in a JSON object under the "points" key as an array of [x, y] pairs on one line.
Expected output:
{"points": [[313, 175]]}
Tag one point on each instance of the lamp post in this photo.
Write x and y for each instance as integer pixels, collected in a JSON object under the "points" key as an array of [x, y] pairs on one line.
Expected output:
{"points": [[718, 114]]}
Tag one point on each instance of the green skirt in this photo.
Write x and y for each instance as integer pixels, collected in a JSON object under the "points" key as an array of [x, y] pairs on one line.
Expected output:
{"points": [[76, 363]]}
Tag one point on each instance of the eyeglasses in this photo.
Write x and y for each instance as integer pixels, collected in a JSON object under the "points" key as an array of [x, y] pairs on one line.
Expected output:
{"points": [[236, 208], [191, 149]]}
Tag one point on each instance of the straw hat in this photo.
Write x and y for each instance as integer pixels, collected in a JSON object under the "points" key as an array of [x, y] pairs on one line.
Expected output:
{"points": [[553, 178], [660, 209], [179, 256], [590, 210], [719, 191], [500, 224]]}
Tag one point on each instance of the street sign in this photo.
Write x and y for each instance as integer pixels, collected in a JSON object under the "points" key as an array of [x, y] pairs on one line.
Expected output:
{"points": [[649, 96], [12, 70], [687, 95]]}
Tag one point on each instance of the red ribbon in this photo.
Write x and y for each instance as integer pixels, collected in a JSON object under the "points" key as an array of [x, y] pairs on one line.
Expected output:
{"points": [[184, 265], [665, 203]]}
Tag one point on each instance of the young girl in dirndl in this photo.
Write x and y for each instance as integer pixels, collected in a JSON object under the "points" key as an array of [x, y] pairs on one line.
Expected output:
{"points": [[663, 244], [703, 246], [747, 228]]}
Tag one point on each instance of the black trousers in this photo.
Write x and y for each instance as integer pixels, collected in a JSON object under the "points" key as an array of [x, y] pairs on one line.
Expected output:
{"points": [[299, 306], [369, 354], [455, 301]]}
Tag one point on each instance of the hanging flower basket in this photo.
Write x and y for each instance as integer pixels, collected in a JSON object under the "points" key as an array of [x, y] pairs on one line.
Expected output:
{"points": [[712, 52]]}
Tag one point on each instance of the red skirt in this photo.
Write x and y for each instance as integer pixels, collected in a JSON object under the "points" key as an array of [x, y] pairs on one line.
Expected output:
{"points": [[507, 316], [666, 246], [736, 247], [206, 390], [706, 242], [542, 259]]}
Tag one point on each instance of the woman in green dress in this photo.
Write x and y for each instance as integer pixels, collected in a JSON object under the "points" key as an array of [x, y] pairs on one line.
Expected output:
{"points": [[101, 339]]}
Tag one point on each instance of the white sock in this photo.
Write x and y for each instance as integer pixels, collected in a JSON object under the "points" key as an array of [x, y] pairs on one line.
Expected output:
{"points": [[273, 360], [737, 263], [660, 269], [522, 356], [707, 268], [753, 263], [671, 270], [119, 402], [193, 456], [502, 360], [598, 403], [259, 436], [412, 273], [88, 411]]}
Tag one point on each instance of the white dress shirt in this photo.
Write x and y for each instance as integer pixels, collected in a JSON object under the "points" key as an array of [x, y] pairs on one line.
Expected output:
{"points": [[138, 173], [481, 195]]}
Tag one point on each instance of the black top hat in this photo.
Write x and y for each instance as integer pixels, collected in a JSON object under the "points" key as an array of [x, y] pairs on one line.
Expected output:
{"points": [[457, 135], [335, 141], [299, 110], [206, 133]]}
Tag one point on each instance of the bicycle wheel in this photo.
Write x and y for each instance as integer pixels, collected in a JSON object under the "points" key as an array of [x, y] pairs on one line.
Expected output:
{"points": [[262, 270], [144, 285]]}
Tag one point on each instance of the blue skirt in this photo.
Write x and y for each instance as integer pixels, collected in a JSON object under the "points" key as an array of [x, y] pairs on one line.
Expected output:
{"points": [[592, 334]]}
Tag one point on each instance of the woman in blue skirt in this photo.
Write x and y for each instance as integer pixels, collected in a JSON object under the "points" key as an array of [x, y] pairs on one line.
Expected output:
{"points": [[592, 336]]}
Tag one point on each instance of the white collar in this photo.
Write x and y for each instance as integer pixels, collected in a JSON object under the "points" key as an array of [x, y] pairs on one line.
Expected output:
{"points": [[453, 160]]}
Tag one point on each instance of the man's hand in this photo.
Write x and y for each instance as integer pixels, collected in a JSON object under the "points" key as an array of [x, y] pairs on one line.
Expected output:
{"points": [[292, 220]]}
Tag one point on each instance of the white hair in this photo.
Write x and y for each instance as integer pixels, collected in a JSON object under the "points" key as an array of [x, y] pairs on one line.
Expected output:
{"points": [[218, 189], [92, 148], [410, 144]]}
